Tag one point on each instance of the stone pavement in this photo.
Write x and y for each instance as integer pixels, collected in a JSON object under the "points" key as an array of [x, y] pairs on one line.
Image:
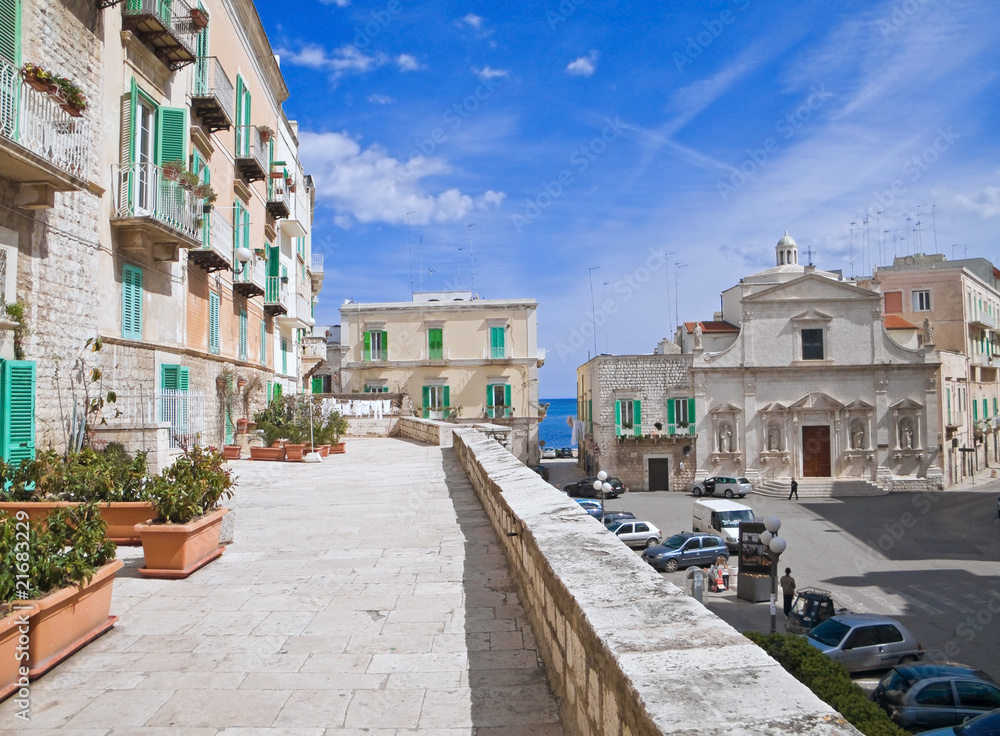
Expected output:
{"points": [[363, 595]]}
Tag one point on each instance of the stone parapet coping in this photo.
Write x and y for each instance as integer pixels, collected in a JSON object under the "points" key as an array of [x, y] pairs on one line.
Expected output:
{"points": [[627, 653]]}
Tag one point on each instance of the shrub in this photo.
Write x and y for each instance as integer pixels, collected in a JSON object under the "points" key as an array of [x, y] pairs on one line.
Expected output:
{"points": [[191, 487], [111, 475], [829, 680]]}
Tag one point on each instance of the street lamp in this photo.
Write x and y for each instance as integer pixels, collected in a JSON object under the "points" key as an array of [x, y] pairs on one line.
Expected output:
{"points": [[776, 545], [602, 486]]}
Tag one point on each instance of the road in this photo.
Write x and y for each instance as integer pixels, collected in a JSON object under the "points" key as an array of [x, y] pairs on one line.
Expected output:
{"points": [[927, 559]]}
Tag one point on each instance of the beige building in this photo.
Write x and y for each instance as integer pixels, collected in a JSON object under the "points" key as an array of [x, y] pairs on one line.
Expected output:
{"points": [[457, 358]]}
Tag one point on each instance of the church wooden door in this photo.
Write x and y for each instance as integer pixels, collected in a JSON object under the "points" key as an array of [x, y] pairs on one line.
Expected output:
{"points": [[816, 452]]}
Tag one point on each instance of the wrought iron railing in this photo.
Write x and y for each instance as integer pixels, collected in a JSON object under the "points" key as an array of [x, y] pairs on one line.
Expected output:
{"points": [[316, 264], [184, 411], [249, 145], [141, 190], [36, 121], [277, 191], [276, 292], [253, 271], [218, 235], [211, 80]]}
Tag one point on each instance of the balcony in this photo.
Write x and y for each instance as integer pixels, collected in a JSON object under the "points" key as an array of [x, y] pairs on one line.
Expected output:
{"points": [[279, 198], [165, 26], [302, 319], [249, 279], [982, 318], [498, 353], [251, 154], [212, 98], [216, 251], [276, 296], [316, 272], [41, 145], [152, 212]]}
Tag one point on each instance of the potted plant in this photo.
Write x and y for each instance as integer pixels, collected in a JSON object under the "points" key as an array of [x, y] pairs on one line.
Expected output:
{"points": [[71, 566], [172, 170], [328, 433], [184, 535], [232, 452], [199, 19], [14, 613], [36, 77], [189, 180], [265, 133]]}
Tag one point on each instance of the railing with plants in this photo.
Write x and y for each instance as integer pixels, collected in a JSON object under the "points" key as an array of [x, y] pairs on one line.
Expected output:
{"points": [[250, 144], [145, 190], [35, 112], [278, 189], [211, 80]]}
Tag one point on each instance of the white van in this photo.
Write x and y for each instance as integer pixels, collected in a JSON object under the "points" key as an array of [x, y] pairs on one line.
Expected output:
{"points": [[722, 518]]}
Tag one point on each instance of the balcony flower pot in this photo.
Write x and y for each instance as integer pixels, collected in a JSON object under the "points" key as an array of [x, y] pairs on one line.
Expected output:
{"points": [[267, 453], [38, 78], [174, 551], [294, 452], [277, 175], [69, 619], [73, 110], [12, 627], [232, 452], [199, 19]]}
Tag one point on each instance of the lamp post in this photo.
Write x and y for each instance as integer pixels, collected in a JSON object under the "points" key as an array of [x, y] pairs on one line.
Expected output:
{"points": [[602, 486], [776, 545]]}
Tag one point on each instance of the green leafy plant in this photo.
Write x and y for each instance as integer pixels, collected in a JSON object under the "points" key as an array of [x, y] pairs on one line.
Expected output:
{"points": [[88, 475], [15, 311], [330, 430], [829, 680], [191, 487]]}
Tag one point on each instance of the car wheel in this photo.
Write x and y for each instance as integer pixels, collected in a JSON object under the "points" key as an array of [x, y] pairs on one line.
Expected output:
{"points": [[729, 493], [671, 566], [697, 491], [652, 542], [908, 659]]}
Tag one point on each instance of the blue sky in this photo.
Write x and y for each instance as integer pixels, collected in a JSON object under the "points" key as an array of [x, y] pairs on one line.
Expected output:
{"points": [[631, 137]]}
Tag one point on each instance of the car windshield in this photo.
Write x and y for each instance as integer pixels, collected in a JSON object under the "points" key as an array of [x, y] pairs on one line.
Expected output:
{"points": [[831, 632], [615, 525], [676, 541], [733, 518], [894, 686]]}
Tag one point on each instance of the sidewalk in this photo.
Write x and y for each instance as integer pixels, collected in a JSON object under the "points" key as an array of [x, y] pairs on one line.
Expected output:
{"points": [[363, 595]]}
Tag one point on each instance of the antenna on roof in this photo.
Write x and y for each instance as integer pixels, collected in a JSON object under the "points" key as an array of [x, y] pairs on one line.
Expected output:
{"points": [[472, 261], [409, 247], [851, 261], [421, 252]]}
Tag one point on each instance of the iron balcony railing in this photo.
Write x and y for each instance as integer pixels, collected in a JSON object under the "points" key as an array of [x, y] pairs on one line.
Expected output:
{"points": [[142, 191], [35, 121], [167, 26], [218, 235], [211, 81], [316, 263], [249, 146], [253, 271], [277, 191], [276, 292]]}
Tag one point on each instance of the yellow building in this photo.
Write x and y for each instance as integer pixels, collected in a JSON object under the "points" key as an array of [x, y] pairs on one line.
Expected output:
{"points": [[457, 358]]}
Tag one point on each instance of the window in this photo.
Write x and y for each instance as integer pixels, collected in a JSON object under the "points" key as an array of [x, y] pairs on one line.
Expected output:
{"points": [[435, 343], [376, 388], [497, 348], [131, 302], [156, 135], [174, 401], [244, 147], [628, 417], [17, 410], [921, 301], [889, 634], [498, 400], [812, 344], [893, 302], [936, 693], [376, 345], [437, 399], [978, 695], [213, 322], [863, 636], [284, 355], [263, 342], [680, 416], [243, 334]]}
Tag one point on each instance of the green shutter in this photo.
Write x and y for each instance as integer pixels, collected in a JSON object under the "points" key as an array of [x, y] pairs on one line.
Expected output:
{"points": [[244, 338], [263, 342], [273, 260], [317, 385], [618, 417], [489, 397], [270, 392], [435, 342], [213, 322], [131, 302], [385, 346], [17, 410], [690, 416], [975, 411], [426, 395], [171, 135], [368, 347], [671, 428], [10, 31], [447, 397], [506, 400], [637, 417], [284, 356]]}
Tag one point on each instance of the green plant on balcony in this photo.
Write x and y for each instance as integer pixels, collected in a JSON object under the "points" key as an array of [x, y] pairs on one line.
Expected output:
{"points": [[265, 133], [205, 192], [189, 180], [39, 78], [172, 170]]}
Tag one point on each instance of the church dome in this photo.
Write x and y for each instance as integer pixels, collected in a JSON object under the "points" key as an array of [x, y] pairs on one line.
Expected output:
{"points": [[786, 252], [787, 240]]}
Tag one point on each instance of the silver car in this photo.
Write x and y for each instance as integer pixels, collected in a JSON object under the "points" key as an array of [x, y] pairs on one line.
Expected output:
{"points": [[863, 641], [728, 487], [636, 533]]}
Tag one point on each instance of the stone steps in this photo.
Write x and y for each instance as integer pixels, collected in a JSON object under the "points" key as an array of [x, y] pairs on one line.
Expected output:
{"points": [[820, 488]]}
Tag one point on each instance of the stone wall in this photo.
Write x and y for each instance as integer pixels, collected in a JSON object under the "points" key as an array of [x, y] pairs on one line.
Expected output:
{"points": [[372, 427], [153, 439], [426, 430], [627, 653]]}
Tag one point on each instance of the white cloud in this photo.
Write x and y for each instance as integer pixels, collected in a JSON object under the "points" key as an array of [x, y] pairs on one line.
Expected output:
{"points": [[473, 20], [984, 202], [368, 185], [311, 56], [380, 99], [408, 62], [341, 61], [338, 3], [584, 66], [489, 73]]}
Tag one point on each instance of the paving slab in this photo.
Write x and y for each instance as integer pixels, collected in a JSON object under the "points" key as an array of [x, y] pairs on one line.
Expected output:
{"points": [[381, 607]]}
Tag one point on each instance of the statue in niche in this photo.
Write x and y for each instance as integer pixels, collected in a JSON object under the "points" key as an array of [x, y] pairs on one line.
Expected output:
{"points": [[905, 434], [697, 335], [773, 439], [857, 435], [725, 439], [928, 332]]}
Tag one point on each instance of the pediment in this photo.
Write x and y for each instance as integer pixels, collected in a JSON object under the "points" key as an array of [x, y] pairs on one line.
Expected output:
{"points": [[773, 407], [817, 400], [812, 287], [859, 404], [812, 315], [726, 409], [907, 404]]}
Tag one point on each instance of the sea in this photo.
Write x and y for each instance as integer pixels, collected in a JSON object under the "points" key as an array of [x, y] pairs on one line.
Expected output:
{"points": [[554, 430]]}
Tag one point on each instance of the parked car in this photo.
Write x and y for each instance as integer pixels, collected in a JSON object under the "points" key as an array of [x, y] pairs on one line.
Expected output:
{"points": [[987, 724], [590, 506], [585, 488], [636, 533], [549, 453], [541, 470], [715, 516], [686, 549], [610, 517], [922, 696], [865, 641], [728, 487], [565, 452]]}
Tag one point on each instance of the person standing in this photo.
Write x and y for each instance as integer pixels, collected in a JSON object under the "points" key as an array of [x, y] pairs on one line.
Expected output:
{"points": [[794, 491], [787, 584]]}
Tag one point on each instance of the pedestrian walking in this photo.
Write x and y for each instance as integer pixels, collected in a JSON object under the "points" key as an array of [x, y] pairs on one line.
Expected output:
{"points": [[787, 583], [794, 491]]}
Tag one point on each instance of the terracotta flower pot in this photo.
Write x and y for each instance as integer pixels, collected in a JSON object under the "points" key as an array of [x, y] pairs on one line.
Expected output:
{"points": [[323, 450], [232, 452], [37, 511], [294, 452], [69, 619], [338, 449], [12, 627], [267, 453], [177, 550], [120, 516]]}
